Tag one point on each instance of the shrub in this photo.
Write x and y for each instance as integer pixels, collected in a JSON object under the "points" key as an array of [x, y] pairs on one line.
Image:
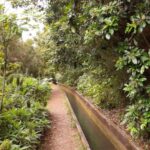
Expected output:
{"points": [[103, 90], [137, 118], [6, 145], [24, 117]]}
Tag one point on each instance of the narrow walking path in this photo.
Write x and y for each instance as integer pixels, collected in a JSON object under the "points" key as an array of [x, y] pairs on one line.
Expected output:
{"points": [[62, 135]]}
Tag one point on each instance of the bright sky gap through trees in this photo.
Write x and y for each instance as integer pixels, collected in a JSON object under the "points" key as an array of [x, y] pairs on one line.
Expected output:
{"points": [[37, 26]]}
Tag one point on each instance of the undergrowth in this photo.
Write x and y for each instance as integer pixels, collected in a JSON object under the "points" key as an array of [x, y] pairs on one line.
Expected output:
{"points": [[24, 117]]}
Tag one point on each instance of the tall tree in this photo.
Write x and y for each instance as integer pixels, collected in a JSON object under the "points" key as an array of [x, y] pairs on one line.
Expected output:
{"points": [[9, 30]]}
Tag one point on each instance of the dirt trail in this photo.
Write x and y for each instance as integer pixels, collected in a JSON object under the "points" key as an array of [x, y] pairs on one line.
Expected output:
{"points": [[62, 135]]}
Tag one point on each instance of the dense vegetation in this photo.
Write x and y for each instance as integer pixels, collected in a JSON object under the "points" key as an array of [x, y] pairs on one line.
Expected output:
{"points": [[23, 98], [23, 118], [102, 48]]}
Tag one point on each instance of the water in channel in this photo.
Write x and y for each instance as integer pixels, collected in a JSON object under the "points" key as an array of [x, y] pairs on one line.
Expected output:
{"points": [[95, 137]]}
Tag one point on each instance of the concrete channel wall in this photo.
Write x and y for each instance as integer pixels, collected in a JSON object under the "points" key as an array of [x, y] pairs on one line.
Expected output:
{"points": [[114, 134]]}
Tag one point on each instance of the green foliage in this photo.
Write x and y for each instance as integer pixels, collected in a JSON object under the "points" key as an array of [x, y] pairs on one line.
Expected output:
{"points": [[102, 90], [6, 145], [24, 117], [17, 3], [105, 21], [138, 22], [71, 76], [76, 42], [137, 118], [9, 28], [1, 59]]}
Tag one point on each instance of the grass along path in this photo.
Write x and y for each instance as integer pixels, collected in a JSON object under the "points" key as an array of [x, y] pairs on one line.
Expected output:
{"points": [[62, 135]]}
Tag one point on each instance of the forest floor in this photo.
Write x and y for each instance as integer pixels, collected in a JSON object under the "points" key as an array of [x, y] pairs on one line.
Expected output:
{"points": [[62, 135]]}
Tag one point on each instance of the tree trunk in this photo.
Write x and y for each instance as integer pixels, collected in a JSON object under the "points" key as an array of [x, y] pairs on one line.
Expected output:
{"points": [[4, 78]]}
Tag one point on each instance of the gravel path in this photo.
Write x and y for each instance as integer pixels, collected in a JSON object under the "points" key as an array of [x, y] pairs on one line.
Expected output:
{"points": [[62, 135]]}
